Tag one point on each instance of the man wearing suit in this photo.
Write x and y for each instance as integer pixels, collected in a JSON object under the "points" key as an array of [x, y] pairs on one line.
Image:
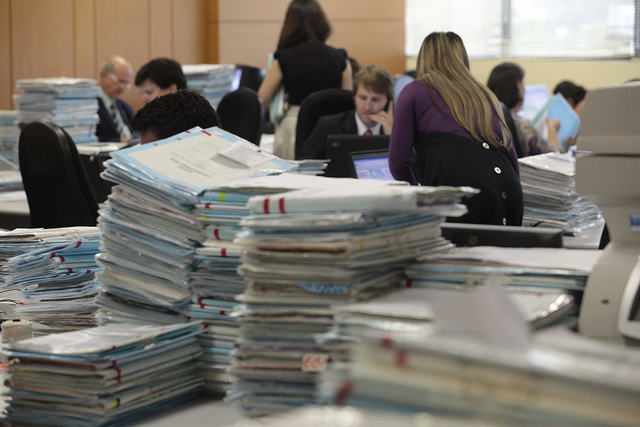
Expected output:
{"points": [[373, 114], [115, 114]]}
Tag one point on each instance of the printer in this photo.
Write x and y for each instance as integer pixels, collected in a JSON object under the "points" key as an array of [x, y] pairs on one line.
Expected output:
{"points": [[608, 174]]}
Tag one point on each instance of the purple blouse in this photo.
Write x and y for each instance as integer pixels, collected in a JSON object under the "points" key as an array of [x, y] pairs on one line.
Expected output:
{"points": [[416, 111]]}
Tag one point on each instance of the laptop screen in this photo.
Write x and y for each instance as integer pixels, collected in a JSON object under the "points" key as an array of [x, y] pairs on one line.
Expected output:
{"points": [[372, 164], [339, 146]]}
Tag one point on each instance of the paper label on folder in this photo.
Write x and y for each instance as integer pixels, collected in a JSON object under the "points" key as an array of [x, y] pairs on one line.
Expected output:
{"points": [[315, 362], [246, 154]]}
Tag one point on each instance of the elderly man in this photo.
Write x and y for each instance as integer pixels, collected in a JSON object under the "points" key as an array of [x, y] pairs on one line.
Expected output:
{"points": [[115, 114]]}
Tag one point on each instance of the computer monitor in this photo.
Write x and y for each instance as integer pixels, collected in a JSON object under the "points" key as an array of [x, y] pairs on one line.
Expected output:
{"points": [[372, 164], [339, 146], [535, 97]]}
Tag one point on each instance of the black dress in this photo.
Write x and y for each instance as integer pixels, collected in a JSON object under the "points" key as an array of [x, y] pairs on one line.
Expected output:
{"points": [[310, 70]]}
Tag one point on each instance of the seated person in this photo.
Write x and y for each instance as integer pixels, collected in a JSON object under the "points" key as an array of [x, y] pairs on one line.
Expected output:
{"points": [[170, 114], [159, 77], [373, 114], [115, 114], [573, 93], [506, 81]]}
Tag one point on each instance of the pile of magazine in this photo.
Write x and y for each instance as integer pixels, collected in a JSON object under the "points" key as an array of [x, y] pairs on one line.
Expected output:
{"points": [[48, 277], [9, 135], [550, 197], [71, 103], [109, 375], [335, 242], [213, 81], [167, 252]]}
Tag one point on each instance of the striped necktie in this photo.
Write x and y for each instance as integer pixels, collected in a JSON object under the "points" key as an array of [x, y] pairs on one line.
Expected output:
{"points": [[117, 119]]}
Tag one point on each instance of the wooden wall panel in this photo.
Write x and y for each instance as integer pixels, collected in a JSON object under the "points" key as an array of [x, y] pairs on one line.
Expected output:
{"points": [[122, 28], [86, 63], [42, 38], [252, 10], [6, 72], [161, 34], [355, 37], [248, 43], [372, 31], [189, 31]]}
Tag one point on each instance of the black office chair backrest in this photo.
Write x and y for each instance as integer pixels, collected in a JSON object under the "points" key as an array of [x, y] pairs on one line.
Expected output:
{"points": [[251, 77], [241, 112], [321, 103], [54, 179]]}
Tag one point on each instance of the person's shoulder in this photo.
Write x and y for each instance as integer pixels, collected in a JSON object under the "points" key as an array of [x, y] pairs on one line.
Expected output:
{"points": [[336, 50], [335, 120]]}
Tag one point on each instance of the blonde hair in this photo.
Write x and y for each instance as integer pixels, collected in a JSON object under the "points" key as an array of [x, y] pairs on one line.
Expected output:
{"points": [[443, 65]]}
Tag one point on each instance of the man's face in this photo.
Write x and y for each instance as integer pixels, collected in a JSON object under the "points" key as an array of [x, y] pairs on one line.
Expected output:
{"points": [[368, 103], [150, 91], [114, 84]]}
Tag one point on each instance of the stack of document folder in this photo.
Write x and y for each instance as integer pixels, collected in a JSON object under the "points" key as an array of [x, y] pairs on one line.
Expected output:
{"points": [[109, 375], [49, 276], [213, 81], [9, 135], [537, 384], [71, 103], [544, 282], [550, 197], [335, 242], [167, 230]]}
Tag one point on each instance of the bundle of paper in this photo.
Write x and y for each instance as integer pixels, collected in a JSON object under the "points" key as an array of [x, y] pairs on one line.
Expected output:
{"points": [[9, 135], [49, 277], [534, 385], [306, 252], [168, 228], [544, 282], [550, 197], [71, 103], [212, 81], [109, 375]]}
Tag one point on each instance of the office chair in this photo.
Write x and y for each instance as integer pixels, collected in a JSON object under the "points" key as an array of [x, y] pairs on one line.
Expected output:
{"points": [[251, 77], [54, 179], [241, 112], [321, 103]]}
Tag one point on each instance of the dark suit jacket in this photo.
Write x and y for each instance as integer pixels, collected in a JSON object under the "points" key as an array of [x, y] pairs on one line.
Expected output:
{"points": [[106, 129], [337, 124]]}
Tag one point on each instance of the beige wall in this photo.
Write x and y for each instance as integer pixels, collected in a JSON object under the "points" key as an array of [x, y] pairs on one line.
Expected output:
{"points": [[590, 74], [372, 31], [52, 38]]}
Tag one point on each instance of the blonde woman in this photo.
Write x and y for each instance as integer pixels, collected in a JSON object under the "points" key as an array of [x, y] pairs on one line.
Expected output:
{"points": [[454, 127]]}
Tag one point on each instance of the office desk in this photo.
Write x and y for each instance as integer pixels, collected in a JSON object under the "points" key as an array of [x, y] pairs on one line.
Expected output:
{"points": [[200, 412], [14, 210]]}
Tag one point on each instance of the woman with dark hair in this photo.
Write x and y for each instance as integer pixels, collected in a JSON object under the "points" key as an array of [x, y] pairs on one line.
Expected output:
{"points": [[573, 93], [304, 63], [455, 126], [506, 81]]}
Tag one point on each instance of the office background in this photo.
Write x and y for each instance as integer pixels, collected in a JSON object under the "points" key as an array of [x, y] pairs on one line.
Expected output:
{"points": [[47, 38]]}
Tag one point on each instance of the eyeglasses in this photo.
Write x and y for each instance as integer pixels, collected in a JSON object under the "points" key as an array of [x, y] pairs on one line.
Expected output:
{"points": [[118, 81]]}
